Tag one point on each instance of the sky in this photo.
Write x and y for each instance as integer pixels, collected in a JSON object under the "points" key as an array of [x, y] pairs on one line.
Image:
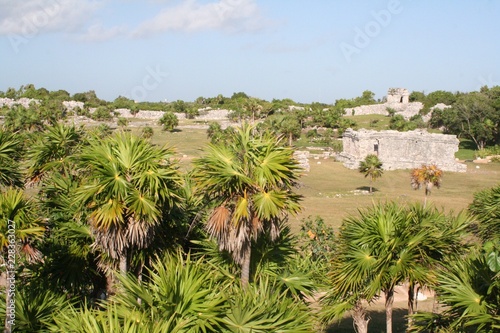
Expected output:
{"points": [[308, 51]]}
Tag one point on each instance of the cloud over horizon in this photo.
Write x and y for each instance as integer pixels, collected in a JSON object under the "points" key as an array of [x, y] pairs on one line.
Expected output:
{"points": [[30, 17], [77, 17], [191, 16]]}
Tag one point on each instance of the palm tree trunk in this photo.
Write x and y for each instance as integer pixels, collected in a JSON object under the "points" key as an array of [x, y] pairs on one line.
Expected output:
{"points": [[124, 262], [411, 303], [359, 318], [245, 266], [389, 300]]}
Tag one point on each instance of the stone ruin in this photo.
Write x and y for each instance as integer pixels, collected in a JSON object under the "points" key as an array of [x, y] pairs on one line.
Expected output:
{"points": [[401, 150], [397, 99], [398, 95]]}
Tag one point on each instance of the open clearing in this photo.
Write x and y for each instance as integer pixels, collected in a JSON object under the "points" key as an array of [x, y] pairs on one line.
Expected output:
{"points": [[334, 192]]}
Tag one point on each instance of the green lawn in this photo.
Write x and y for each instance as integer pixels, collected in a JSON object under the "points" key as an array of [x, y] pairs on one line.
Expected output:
{"points": [[332, 191]]}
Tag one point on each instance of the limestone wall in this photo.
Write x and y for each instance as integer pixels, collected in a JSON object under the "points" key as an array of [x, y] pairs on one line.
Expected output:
{"points": [[401, 150], [407, 110]]}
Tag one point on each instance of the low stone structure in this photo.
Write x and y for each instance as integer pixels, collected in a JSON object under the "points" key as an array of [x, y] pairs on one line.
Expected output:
{"points": [[401, 150], [396, 99], [302, 158], [25, 102], [398, 95]]}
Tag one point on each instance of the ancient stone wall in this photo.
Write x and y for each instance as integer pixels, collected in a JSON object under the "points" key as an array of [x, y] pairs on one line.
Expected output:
{"points": [[407, 110], [401, 150]]}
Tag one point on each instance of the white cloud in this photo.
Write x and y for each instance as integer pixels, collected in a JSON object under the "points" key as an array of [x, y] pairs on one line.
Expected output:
{"points": [[190, 15], [99, 33], [30, 17]]}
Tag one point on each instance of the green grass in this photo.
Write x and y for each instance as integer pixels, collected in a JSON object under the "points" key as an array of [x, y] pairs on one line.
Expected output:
{"points": [[376, 122], [329, 188], [466, 150]]}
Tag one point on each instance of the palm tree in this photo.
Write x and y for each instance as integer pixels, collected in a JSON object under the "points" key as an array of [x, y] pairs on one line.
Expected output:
{"points": [[10, 147], [129, 187], [19, 231], [486, 208], [427, 176], [444, 241], [377, 251], [53, 150], [249, 180], [470, 289], [371, 167]]}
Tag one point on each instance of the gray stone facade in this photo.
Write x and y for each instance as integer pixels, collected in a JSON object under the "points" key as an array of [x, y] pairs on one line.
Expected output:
{"points": [[397, 99], [401, 150]]}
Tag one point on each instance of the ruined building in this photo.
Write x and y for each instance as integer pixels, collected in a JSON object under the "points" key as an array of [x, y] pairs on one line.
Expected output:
{"points": [[398, 95], [397, 99], [401, 150]]}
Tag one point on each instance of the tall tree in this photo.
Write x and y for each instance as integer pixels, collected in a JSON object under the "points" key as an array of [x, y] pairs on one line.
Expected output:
{"points": [[377, 251], [129, 187], [371, 167], [249, 179], [426, 176]]}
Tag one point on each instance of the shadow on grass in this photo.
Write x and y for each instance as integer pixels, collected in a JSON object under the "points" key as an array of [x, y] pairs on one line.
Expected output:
{"points": [[376, 325], [467, 144], [367, 189]]}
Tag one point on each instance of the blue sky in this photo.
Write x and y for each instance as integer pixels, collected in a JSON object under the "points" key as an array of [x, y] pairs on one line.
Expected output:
{"points": [[309, 51]]}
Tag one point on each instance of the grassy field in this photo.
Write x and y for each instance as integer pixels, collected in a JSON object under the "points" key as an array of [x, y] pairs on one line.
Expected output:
{"points": [[334, 192]]}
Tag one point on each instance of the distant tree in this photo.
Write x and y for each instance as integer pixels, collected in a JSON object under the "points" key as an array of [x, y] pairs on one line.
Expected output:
{"points": [[371, 167], [134, 109], [479, 120], [239, 95], [168, 121], [101, 113], [89, 98], [289, 126], [60, 95], [122, 102], [367, 98], [440, 96], [252, 108], [426, 176], [214, 132], [147, 132], [417, 96], [11, 93]]}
